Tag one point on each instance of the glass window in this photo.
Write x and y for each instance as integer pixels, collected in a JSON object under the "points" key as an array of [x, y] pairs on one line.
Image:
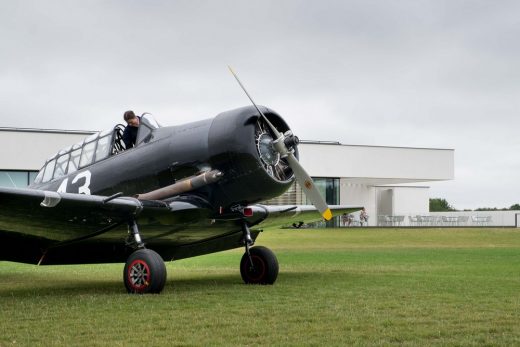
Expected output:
{"points": [[88, 154], [105, 133], [61, 165], [103, 148], [39, 177], [74, 160], [332, 191], [91, 137], [65, 150], [32, 176], [146, 127], [148, 119], [13, 179], [49, 170], [328, 188]]}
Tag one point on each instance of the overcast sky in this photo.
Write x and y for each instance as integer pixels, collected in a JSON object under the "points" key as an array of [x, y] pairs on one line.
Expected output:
{"points": [[443, 74]]}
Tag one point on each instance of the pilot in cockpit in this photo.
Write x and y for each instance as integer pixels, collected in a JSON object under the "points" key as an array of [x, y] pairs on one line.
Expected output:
{"points": [[130, 133]]}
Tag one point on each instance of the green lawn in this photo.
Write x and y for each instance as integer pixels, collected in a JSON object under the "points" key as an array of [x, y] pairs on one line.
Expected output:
{"points": [[336, 287]]}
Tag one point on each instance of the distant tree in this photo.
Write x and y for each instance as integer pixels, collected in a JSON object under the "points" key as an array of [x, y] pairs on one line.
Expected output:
{"points": [[514, 207], [486, 209], [440, 205]]}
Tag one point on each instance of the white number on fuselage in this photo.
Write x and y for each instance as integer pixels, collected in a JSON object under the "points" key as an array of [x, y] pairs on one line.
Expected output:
{"points": [[63, 186], [83, 189]]}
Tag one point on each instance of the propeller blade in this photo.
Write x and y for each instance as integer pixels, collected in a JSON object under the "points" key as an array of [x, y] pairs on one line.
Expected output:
{"points": [[302, 177], [308, 187], [276, 133]]}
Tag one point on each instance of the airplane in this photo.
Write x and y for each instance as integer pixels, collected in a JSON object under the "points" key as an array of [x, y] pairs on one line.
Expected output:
{"points": [[182, 191]]}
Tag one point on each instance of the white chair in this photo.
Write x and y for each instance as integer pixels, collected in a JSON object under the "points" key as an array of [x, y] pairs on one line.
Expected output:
{"points": [[462, 220]]}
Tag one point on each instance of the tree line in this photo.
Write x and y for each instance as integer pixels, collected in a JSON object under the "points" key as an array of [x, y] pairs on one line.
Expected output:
{"points": [[442, 205]]}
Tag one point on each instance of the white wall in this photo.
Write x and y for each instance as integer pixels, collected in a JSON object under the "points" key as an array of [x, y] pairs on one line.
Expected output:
{"points": [[357, 194], [391, 200], [413, 200], [377, 165], [28, 150], [385, 201]]}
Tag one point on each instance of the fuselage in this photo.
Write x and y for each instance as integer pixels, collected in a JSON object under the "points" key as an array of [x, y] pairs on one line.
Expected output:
{"points": [[227, 143]]}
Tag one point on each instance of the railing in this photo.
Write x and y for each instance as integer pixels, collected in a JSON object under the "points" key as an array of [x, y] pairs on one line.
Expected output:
{"points": [[450, 219], [434, 219]]}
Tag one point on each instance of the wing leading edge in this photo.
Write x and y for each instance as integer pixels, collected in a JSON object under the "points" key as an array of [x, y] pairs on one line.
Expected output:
{"points": [[285, 215]]}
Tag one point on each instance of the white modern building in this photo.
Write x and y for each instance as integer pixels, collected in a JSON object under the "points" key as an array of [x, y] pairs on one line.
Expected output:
{"points": [[387, 181]]}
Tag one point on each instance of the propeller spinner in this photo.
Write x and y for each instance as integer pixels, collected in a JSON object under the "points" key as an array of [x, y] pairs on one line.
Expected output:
{"points": [[283, 144]]}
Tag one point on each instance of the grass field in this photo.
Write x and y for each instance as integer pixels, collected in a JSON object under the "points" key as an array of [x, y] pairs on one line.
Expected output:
{"points": [[336, 287]]}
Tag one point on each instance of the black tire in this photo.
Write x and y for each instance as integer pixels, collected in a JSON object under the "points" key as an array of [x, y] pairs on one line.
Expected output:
{"points": [[145, 272], [265, 269]]}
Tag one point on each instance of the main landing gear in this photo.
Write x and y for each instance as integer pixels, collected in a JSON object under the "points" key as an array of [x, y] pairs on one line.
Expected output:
{"points": [[144, 270], [259, 264]]}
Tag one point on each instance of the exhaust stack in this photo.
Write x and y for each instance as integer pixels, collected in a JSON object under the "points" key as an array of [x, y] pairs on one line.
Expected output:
{"points": [[183, 186]]}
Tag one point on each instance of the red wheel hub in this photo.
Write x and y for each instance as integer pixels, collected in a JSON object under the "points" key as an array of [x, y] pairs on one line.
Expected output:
{"points": [[139, 275], [255, 271]]}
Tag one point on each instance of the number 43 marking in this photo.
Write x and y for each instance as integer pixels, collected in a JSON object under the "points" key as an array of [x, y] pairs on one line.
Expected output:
{"points": [[83, 189]]}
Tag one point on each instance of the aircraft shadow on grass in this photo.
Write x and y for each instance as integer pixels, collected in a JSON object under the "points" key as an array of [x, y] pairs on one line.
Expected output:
{"points": [[47, 286]]}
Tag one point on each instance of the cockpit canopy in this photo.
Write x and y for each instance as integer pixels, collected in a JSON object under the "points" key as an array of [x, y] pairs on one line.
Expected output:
{"points": [[93, 149]]}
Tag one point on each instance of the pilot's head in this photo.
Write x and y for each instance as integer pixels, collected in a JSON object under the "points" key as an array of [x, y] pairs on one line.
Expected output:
{"points": [[131, 118]]}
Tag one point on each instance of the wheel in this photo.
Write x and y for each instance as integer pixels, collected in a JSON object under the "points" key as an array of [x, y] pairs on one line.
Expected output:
{"points": [[264, 269], [144, 272]]}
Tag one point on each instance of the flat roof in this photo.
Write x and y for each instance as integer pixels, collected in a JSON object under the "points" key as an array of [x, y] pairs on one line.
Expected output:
{"points": [[52, 131], [337, 143], [313, 142]]}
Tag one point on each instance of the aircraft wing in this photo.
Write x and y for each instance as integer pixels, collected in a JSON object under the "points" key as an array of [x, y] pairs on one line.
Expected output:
{"points": [[69, 216], [38, 212], [78, 228], [286, 215]]}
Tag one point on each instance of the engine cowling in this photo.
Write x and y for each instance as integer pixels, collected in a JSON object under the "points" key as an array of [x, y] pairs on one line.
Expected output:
{"points": [[240, 146]]}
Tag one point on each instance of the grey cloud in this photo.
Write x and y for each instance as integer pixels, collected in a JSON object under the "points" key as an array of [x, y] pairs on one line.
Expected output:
{"points": [[408, 73]]}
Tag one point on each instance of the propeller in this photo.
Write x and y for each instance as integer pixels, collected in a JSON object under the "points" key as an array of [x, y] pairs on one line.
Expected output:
{"points": [[280, 144]]}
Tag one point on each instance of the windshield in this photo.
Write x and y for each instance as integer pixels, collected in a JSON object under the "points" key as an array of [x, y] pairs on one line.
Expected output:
{"points": [[150, 121], [146, 126], [92, 149]]}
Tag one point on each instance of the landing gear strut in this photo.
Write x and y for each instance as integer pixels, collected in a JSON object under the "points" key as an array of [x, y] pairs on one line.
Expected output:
{"points": [[144, 270], [259, 264]]}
